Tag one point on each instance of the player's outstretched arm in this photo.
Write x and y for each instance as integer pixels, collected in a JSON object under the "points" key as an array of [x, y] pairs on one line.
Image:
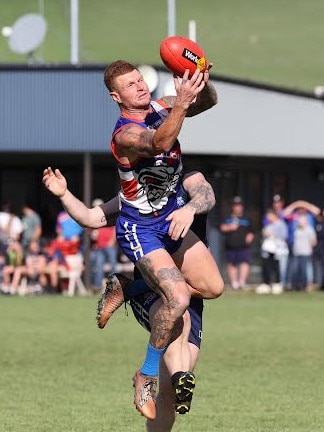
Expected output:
{"points": [[56, 183], [205, 99], [147, 142], [202, 200]]}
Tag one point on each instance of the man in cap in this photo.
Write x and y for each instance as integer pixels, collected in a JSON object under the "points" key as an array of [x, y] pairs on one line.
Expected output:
{"points": [[238, 233]]}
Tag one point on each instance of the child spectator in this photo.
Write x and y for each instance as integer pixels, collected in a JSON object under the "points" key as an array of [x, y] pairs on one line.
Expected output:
{"points": [[278, 206], [304, 241], [292, 213], [273, 247]]}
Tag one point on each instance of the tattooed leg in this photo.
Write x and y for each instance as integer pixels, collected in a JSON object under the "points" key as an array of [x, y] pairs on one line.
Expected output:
{"points": [[169, 283], [159, 271]]}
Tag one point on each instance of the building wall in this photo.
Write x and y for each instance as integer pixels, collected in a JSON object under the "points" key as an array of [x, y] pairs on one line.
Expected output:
{"points": [[55, 110], [69, 110]]}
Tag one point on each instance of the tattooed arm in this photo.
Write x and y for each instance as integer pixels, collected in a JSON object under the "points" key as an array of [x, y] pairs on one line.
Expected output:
{"points": [[95, 217], [133, 140], [205, 100], [201, 194], [202, 200]]}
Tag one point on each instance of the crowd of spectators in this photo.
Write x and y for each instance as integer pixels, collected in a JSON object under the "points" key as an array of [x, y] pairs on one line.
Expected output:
{"points": [[291, 246], [32, 264], [291, 250]]}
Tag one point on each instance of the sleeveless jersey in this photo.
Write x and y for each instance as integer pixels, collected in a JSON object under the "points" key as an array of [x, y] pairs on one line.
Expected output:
{"points": [[150, 184]]}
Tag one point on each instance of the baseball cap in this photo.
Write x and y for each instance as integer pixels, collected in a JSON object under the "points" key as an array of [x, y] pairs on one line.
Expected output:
{"points": [[276, 198], [96, 202], [237, 200]]}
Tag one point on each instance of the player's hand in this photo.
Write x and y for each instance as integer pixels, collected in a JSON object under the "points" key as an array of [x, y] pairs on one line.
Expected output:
{"points": [[54, 181], [181, 221], [187, 88], [206, 73]]}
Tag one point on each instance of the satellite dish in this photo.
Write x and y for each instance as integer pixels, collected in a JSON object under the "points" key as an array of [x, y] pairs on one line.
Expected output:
{"points": [[6, 31], [27, 34], [150, 76]]}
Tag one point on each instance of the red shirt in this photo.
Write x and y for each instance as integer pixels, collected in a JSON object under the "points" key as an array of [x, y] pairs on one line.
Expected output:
{"points": [[105, 237]]}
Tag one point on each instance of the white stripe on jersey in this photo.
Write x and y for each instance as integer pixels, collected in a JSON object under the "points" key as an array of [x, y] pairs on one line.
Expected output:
{"points": [[126, 175], [131, 237]]}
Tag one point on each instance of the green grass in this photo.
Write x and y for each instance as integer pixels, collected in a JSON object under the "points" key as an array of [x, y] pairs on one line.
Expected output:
{"points": [[260, 369], [272, 41]]}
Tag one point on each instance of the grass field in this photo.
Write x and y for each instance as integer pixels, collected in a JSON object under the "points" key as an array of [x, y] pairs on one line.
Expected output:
{"points": [[261, 366], [272, 41]]}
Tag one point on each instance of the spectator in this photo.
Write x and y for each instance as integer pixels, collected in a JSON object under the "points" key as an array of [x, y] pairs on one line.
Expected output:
{"points": [[319, 251], [67, 227], [237, 229], [3, 260], [278, 204], [71, 262], [104, 250], [54, 262], [32, 226], [292, 213], [303, 243], [14, 259], [273, 247], [11, 226], [33, 269], [61, 247]]}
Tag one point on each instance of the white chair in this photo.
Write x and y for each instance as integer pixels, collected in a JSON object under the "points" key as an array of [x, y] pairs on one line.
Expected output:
{"points": [[74, 274]]}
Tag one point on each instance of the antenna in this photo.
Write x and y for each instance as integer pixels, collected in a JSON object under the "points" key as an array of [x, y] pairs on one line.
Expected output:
{"points": [[27, 34]]}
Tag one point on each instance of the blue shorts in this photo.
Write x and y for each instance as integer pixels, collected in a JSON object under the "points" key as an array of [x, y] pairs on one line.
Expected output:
{"points": [[238, 256], [138, 235], [142, 304]]}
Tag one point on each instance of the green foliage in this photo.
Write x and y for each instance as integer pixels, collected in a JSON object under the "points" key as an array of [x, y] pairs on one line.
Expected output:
{"points": [[278, 41], [260, 368]]}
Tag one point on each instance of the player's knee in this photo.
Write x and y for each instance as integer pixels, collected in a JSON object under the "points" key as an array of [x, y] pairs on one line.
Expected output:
{"points": [[215, 288], [180, 302], [182, 327]]}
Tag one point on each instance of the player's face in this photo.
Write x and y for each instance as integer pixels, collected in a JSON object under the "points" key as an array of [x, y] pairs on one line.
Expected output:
{"points": [[131, 91]]}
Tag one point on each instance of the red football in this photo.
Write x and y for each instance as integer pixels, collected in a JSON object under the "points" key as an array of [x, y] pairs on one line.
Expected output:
{"points": [[179, 53]]}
